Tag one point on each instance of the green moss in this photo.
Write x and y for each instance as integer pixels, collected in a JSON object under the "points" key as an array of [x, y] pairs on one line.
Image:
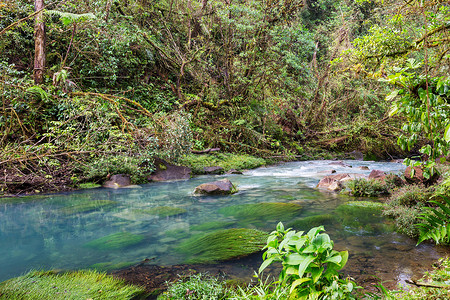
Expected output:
{"points": [[68, 285], [86, 206], [227, 161], [262, 211], [24, 199], [162, 211], [89, 185], [177, 233], [114, 241], [311, 221], [362, 216], [223, 245], [109, 266], [211, 226]]}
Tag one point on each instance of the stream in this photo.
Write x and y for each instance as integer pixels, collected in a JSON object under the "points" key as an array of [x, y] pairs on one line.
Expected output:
{"points": [[65, 231]]}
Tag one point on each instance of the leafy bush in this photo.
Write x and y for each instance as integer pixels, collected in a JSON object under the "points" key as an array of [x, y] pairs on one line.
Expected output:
{"points": [[362, 187], [227, 161], [405, 206], [197, 286], [436, 225], [310, 265], [405, 219]]}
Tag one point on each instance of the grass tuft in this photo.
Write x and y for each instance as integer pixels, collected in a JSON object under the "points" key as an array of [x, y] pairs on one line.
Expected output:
{"points": [[49, 285]]}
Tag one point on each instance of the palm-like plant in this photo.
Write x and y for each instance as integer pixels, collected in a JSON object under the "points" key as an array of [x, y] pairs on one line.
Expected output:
{"points": [[436, 225]]}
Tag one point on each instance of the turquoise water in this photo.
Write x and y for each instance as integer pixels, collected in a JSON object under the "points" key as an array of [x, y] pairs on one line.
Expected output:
{"points": [[54, 231]]}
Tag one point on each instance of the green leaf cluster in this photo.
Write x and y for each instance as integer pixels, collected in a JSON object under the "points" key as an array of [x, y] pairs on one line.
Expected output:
{"points": [[310, 265]]}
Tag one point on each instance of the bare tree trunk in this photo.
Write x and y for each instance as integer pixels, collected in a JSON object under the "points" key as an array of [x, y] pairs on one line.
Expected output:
{"points": [[39, 43]]}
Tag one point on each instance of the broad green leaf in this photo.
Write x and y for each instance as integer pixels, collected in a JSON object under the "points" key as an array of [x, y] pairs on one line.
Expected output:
{"points": [[447, 133], [334, 258], [294, 259], [394, 110], [392, 95], [304, 265], [265, 264], [313, 232], [298, 282]]}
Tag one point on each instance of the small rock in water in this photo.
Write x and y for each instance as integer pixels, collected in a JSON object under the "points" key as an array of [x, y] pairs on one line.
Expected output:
{"points": [[220, 187], [363, 168]]}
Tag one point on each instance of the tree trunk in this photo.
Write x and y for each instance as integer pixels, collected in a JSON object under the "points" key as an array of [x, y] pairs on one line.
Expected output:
{"points": [[39, 43]]}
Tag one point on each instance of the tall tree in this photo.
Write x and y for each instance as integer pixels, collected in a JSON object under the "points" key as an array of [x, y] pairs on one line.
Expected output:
{"points": [[39, 42]]}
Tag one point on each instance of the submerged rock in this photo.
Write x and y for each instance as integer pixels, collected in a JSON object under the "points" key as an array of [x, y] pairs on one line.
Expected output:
{"points": [[223, 245], [220, 187], [262, 211], [166, 171], [118, 181], [114, 241]]}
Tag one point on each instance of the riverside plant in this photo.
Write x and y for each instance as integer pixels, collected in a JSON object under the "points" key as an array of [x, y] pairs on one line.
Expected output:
{"points": [[310, 265]]}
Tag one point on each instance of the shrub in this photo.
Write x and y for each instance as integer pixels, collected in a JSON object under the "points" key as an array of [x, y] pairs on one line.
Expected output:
{"points": [[310, 265], [405, 206], [367, 188], [225, 160], [197, 286], [405, 219]]}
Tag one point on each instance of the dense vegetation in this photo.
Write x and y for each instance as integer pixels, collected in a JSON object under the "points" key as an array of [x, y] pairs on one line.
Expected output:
{"points": [[109, 85], [124, 82]]}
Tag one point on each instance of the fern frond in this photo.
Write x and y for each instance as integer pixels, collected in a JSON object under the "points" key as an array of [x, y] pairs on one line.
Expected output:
{"points": [[436, 225], [70, 18]]}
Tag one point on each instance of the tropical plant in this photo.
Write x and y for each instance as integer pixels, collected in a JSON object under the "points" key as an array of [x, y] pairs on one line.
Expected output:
{"points": [[310, 265], [436, 225]]}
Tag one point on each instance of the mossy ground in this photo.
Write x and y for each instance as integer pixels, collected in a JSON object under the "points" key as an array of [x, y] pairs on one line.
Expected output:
{"points": [[115, 241], [40, 285], [227, 161], [259, 213], [162, 211], [223, 245]]}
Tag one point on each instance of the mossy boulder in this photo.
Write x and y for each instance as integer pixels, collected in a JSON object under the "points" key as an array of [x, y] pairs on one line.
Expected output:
{"points": [[262, 211], [309, 222], [115, 241], [86, 206], [362, 216], [223, 245], [162, 211]]}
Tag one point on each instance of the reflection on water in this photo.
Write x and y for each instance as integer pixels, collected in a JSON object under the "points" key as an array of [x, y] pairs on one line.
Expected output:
{"points": [[61, 231]]}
